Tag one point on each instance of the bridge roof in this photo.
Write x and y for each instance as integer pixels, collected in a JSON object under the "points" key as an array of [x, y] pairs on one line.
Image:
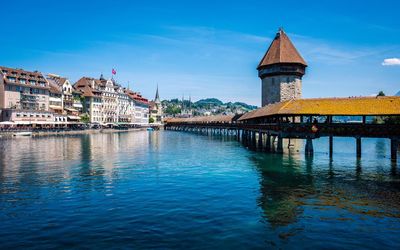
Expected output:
{"points": [[202, 119], [351, 106]]}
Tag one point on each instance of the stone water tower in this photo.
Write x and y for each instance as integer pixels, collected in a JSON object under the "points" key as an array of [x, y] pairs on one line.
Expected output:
{"points": [[281, 70]]}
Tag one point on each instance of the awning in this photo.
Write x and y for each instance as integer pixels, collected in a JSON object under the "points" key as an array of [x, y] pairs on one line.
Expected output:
{"points": [[7, 123], [72, 110], [55, 107], [74, 117], [43, 122], [23, 122]]}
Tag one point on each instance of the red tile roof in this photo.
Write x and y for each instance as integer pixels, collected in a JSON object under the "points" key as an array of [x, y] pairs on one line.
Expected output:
{"points": [[84, 85], [20, 74], [136, 96], [281, 50]]}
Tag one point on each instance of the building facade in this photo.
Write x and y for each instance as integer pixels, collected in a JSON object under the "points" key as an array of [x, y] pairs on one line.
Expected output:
{"points": [[92, 98], [139, 107], [24, 95], [20, 89], [123, 106], [107, 102], [281, 71]]}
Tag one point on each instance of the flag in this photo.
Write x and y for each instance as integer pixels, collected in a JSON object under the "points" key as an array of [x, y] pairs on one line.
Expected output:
{"points": [[114, 72]]}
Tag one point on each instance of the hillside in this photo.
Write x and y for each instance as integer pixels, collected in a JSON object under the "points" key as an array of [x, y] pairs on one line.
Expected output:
{"points": [[206, 106]]}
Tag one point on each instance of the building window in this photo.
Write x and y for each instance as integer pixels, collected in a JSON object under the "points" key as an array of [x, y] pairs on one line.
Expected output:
{"points": [[9, 88], [11, 79]]}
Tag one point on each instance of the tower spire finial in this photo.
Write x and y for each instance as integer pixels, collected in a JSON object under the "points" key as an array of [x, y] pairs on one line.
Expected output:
{"points": [[157, 98]]}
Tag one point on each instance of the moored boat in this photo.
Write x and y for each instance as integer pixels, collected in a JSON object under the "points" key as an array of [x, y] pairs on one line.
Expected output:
{"points": [[23, 134]]}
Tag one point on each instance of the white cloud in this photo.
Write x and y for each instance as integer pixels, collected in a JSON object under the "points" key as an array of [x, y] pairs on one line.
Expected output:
{"points": [[391, 62]]}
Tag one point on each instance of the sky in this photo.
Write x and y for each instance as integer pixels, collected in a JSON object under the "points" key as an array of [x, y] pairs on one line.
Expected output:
{"points": [[206, 48]]}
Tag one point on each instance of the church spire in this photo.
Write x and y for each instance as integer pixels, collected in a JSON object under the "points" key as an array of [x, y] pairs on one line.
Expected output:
{"points": [[157, 98]]}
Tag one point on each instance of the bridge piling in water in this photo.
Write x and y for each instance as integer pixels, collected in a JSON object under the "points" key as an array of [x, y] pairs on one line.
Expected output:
{"points": [[268, 143], [358, 147], [309, 149], [394, 145], [330, 147], [260, 141], [279, 145]]}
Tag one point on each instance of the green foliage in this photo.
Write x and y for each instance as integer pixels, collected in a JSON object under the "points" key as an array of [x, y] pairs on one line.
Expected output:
{"points": [[381, 93], [151, 120], [172, 110], [85, 118]]}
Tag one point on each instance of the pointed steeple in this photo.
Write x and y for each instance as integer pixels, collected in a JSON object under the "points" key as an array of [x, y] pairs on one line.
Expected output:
{"points": [[102, 77], [281, 50], [157, 98]]}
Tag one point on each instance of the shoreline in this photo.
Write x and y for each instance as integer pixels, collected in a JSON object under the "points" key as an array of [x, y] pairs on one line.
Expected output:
{"points": [[76, 132]]}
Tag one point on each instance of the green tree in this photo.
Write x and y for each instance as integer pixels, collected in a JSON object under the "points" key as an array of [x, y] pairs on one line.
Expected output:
{"points": [[381, 93], [85, 118], [151, 120]]}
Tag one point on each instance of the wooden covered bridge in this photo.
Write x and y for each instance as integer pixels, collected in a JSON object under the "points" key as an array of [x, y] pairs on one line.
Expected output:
{"points": [[358, 117]]}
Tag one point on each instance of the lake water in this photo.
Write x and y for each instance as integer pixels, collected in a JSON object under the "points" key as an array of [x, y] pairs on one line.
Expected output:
{"points": [[170, 189]]}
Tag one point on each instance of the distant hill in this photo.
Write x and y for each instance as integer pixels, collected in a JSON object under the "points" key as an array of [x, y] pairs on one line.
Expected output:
{"points": [[398, 94], [208, 102], [208, 105]]}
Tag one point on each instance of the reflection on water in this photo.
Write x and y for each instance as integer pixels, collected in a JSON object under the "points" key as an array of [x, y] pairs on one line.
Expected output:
{"points": [[178, 190]]}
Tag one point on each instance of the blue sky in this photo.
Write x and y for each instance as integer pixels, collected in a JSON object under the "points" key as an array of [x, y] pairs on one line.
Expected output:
{"points": [[206, 48]]}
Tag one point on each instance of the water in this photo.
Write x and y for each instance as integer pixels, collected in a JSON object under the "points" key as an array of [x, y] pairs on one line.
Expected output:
{"points": [[178, 190]]}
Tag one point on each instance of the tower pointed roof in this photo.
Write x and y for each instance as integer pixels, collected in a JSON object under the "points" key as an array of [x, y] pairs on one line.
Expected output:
{"points": [[281, 50], [157, 98]]}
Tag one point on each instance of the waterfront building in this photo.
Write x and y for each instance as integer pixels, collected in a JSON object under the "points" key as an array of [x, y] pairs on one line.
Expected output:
{"points": [[109, 99], [77, 104], [156, 111], [123, 105], [55, 98], [281, 71], [22, 90], [92, 98], [66, 88], [65, 94], [140, 113]]}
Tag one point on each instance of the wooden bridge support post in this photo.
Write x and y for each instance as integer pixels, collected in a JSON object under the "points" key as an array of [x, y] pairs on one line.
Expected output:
{"points": [[238, 134], [246, 138], [330, 147], [358, 147], [309, 150], [279, 146], [268, 143], [254, 140], [394, 145], [260, 141]]}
